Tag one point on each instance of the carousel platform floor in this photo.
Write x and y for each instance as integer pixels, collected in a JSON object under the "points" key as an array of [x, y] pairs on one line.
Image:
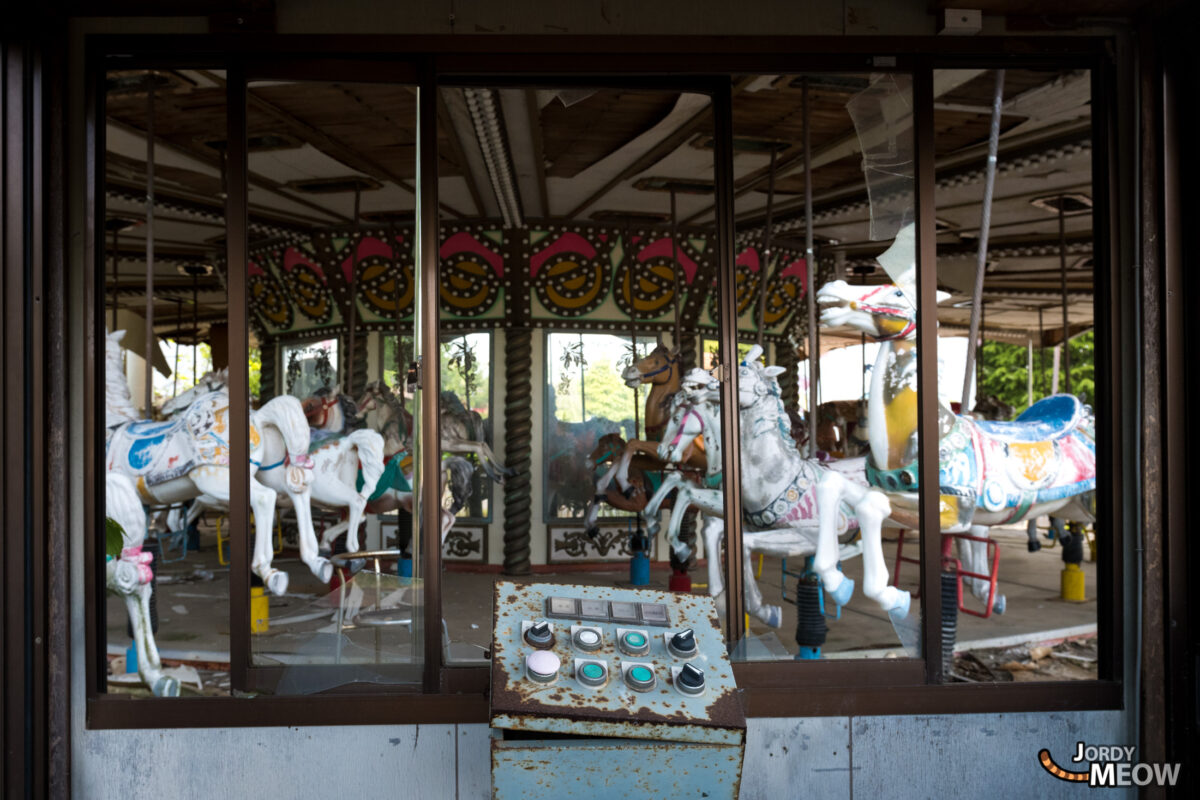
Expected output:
{"points": [[193, 609]]}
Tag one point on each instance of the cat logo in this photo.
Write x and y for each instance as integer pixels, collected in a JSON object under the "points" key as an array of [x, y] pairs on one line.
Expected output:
{"points": [[1110, 765]]}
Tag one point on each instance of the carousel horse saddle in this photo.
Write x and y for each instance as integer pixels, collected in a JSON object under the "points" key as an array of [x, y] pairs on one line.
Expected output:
{"points": [[156, 451], [1045, 420], [392, 478]]}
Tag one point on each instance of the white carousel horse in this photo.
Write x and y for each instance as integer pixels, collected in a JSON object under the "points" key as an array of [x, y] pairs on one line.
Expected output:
{"points": [[188, 458], [129, 576], [382, 411], [990, 473], [793, 506], [337, 458]]}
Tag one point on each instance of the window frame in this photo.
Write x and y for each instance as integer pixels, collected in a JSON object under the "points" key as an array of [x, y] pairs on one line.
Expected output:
{"points": [[547, 518], [458, 694]]}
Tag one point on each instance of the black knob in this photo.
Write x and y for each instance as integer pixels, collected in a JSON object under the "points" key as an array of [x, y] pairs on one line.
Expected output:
{"points": [[540, 636], [690, 679], [683, 644]]}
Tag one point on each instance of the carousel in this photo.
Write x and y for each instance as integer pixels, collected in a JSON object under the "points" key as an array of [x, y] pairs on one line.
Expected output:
{"points": [[580, 414]]}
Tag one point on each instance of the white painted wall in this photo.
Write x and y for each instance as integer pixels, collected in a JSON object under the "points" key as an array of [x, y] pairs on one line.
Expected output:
{"points": [[970, 755]]}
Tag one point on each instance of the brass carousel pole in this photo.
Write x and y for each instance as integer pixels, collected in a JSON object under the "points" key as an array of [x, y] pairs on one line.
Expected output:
{"points": [[814, 346], [116, 255], [149, 243], [985, 224], [1062, 275], [764, 268], [350, 360], [674, 269]]}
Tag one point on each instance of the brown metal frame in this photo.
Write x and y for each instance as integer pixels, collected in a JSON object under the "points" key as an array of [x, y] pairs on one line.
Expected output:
{"points": [[457, 694]]}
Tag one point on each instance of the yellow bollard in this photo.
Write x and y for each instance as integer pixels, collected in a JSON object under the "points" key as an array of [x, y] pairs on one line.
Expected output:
{"points": [[260, 610], [1073, 583]]}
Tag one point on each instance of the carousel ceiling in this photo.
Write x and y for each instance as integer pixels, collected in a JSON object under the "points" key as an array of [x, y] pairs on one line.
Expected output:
{"points": [[543, 191]]}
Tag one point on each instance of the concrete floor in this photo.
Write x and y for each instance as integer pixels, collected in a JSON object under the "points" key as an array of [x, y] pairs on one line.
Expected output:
{"points": [[194, 611]]}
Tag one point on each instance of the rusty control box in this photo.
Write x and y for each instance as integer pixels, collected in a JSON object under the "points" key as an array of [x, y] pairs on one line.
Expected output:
{"points": [[606, 692]]}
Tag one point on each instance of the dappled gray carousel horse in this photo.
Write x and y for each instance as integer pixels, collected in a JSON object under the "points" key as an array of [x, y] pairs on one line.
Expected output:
{"points": [[382, 411]]}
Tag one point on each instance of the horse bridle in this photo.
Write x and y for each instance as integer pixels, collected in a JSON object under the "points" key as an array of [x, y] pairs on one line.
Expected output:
{"points": [[670, 365], [325, 406], [880, 310]]}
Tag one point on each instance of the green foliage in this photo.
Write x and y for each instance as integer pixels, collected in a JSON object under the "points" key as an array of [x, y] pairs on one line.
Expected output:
{"points": [[1004, 372], [255, 358], [114, 538]]}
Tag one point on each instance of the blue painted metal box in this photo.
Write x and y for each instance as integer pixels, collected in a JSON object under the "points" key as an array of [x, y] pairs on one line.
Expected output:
{"points": [[622, 692]]}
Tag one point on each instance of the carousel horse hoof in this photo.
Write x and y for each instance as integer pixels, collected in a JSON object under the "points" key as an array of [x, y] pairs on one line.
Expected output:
{"points": [[999, 604], [1034, 545], [277, 582], [900, 610], [844, 592], [682, 551], [324, 551], [357, 564], [772, 616], [323, 569], [166, 686], [592, 531], [629, 493]]}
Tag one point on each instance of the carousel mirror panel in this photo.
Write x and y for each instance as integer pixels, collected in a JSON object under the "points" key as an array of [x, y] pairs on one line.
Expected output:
{"points": [[339, 598], [577, 280], [1017, 345], [166, 345], [821, 161]]}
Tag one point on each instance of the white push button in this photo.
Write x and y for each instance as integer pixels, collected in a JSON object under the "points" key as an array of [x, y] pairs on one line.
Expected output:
{"points": [[542, 666], [587, 639]]}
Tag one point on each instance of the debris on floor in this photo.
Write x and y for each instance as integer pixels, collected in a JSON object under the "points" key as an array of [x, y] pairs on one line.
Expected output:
{"points": [[1066, 660]]}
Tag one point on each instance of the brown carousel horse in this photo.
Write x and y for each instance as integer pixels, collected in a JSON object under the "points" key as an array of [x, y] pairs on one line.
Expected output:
{"points": [[626, 485]]}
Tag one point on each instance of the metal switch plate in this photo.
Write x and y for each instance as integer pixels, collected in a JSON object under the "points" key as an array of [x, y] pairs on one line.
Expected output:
{"points": [[566, 607], [655, 614], [624, 612], [596, 610]]}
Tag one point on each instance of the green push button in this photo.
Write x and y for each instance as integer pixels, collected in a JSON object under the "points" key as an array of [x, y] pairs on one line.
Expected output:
{"points": [[634, 643], [635, 640], [640, 678], [593, 672]]}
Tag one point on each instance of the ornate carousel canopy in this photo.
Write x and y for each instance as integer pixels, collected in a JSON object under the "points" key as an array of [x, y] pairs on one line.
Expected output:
{"points": [[581, 208]]}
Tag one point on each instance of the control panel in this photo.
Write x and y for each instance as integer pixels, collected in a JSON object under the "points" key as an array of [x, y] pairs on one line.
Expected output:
{"points": [[612, 662]]}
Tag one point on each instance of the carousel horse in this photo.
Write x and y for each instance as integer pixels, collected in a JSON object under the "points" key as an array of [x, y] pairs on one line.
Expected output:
{"points": [[462, 430], [329, 413], [990, 473], [211, 381], [793, 506], [188, 458], [129, 576], [660, 369], [383, 412]]}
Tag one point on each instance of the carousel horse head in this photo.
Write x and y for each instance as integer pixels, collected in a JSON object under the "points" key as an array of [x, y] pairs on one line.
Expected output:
{"points": [[883, 312], [112, 351], [658, 366], [318, 405], [699, 386], [756, 381], [213, 381]]}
